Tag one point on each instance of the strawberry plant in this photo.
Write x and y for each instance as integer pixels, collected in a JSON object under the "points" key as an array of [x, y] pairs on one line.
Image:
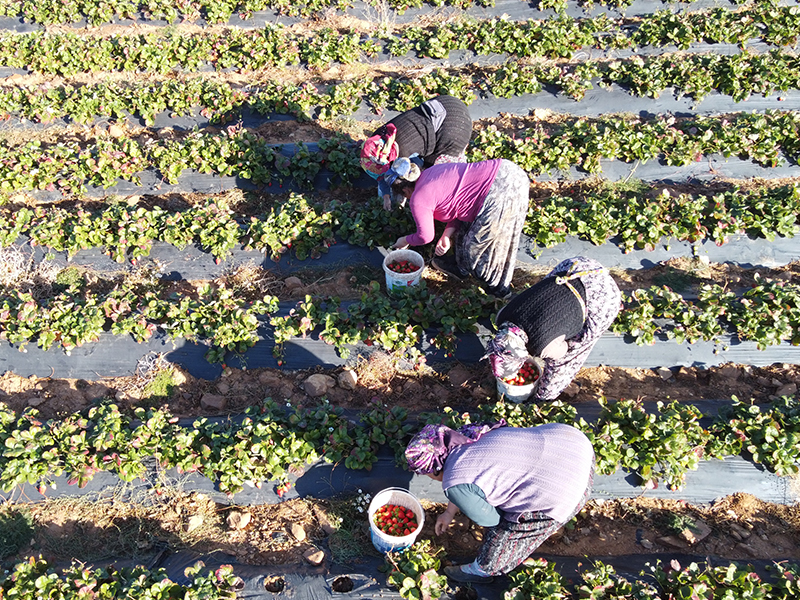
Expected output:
{"points": [[414, 571], [601, 582], [293, 224], [769, 435], [657, 446], [35, 576], [536, 578], [723, 582]]}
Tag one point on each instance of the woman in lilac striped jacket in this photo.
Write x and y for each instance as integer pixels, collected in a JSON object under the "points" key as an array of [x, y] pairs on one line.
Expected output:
{"points": [[523, 484]]}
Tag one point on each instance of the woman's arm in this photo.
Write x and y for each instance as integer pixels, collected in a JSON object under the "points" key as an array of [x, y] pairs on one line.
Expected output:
{"points": [[472, 501], [445, 242]]}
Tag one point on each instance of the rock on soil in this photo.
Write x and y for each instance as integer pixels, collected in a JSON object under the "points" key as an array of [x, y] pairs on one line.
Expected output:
{"points": [[298, 532], [314, 556], [213, 402], [238, 520], [318, 385], [348, 380]]}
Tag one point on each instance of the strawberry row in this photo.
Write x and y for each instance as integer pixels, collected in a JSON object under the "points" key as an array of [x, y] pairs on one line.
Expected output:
{"points": [[541, 148], [69, 53], [738, 76], [271, 441]]}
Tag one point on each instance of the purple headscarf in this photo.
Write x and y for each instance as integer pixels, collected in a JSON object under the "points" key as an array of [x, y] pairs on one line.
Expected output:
{"points": [[427, 451]]}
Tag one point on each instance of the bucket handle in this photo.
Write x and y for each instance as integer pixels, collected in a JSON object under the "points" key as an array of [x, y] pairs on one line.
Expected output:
{"points": [[395, 489]]}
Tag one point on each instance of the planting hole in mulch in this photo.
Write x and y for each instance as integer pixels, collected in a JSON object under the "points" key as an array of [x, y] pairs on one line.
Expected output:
{"points": [[274, 584], [342, 585]]}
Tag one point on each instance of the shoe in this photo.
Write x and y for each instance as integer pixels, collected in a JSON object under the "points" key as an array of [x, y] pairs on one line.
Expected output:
{"points": [[456, 574], [448, 266]]}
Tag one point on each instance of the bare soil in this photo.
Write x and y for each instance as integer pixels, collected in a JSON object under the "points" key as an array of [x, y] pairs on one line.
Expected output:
{"points": [[737, 527]]}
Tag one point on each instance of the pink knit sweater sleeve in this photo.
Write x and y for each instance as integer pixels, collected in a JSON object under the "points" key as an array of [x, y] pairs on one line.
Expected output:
{"points": [[423, 205]]}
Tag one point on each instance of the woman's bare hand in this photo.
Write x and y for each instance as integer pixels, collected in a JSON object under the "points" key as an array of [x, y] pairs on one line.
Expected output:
{"points": [[443, 522], [443, 245]]}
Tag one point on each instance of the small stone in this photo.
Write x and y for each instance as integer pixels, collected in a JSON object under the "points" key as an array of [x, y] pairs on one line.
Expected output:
{"points": [[739, 532], [298, 532], [35, 400], [696, 532], [685, 375], [664, 373], [646, 544], [572, 389], [542, 113], [318, 385], [728, 373], [348, 379], [324, 522], [703, 259], [213, 402], [458, 376], [238, 520], [412, 387], [314, 556], [565, 540], [785, 276], [269, 378], [672, 541], [764, 381], [746, 548], [194, 522], [116, 131], [292, 283], [121, 396], [790, 389], [223, 388]]}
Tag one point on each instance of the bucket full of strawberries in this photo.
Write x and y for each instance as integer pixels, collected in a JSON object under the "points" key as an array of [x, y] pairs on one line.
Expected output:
{"points": [[395, 519], [520, 387], [403, 268]]}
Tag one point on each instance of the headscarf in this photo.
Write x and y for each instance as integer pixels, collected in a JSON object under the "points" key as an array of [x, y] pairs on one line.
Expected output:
{"points": [[378, 152], [507, 351], [427, 451], [402, 168]]}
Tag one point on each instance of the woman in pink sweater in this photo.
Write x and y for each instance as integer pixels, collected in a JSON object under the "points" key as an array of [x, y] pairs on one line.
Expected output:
{"points": [[483, 206]]}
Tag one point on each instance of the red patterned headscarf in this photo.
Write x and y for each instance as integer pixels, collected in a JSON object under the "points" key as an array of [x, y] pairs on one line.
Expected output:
{"points": [[377, 152]]}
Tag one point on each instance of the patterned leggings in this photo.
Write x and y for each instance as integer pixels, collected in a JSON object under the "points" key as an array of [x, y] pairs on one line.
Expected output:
{"points": [[488, 248], [508, 544]]}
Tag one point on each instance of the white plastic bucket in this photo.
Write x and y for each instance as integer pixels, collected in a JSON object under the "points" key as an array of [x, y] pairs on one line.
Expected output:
{"points": [[397, 280], [384, 542], [518, 393]]}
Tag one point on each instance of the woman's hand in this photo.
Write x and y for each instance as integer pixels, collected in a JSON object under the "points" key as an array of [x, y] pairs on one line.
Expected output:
{"points": [[387, 202], [443, 245], [401, 243], [443, 520]]}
